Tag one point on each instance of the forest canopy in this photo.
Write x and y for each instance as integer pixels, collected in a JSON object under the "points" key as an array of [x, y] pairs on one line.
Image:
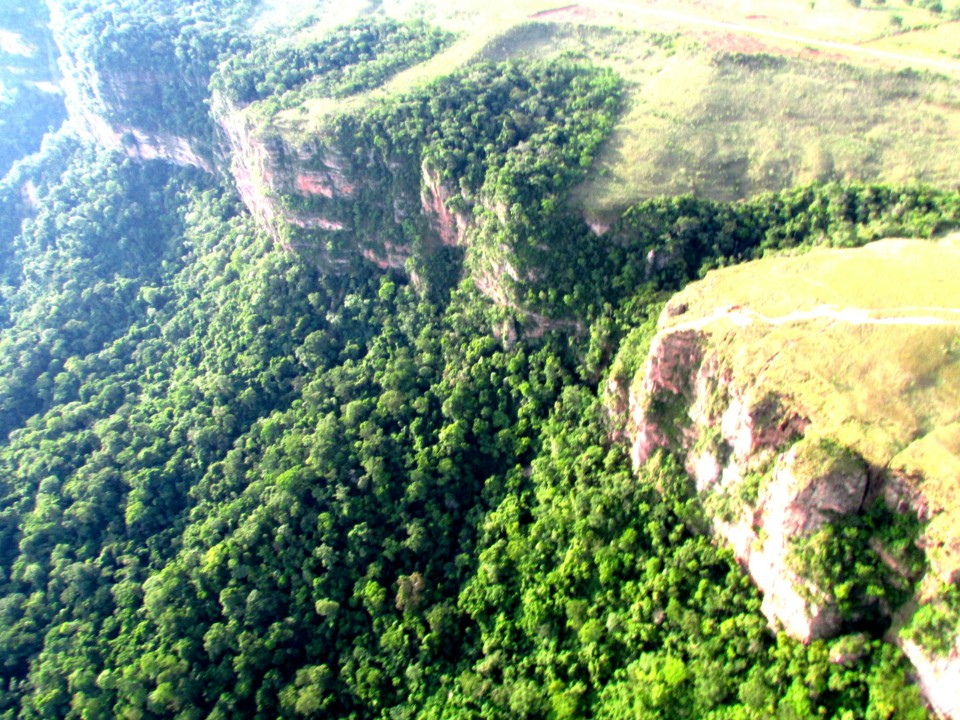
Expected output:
{"points": [[235, 485], [237, 481]]}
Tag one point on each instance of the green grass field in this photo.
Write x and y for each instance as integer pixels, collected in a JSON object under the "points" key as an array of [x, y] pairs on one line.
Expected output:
{"points": [[941, 42], [863, 342], [731, 129]]}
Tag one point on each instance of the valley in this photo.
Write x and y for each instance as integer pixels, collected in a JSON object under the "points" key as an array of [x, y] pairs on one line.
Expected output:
{"points": [[484, 360]]}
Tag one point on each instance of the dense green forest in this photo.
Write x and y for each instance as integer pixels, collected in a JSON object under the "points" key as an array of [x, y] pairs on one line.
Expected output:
{"points": [[238, 482], [235, 485], [352, 58]]}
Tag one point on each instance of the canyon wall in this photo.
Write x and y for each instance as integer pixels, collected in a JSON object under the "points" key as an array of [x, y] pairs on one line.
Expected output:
{"points": [[768, 480]]}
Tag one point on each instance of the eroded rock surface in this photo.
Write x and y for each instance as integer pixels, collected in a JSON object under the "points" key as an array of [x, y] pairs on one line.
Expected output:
{"points": [[768, 479], [938, 677], [688, 402]]}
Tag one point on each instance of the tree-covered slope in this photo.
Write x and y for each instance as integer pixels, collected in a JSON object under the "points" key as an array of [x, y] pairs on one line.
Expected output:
{"points": [[240, 487]]}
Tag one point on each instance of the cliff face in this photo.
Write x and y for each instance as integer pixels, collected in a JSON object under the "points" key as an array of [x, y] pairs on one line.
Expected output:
{"points": [[135, 142], [256, 162], [317, 186], [432, 186], [451, 227], [304, 187], [95, 100], [770, 472], [306, 194], [687, 402], [250, 167]]}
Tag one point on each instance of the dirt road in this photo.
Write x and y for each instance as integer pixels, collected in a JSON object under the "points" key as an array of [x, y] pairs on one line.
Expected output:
{"points": [[629, 9], [854, 316]]}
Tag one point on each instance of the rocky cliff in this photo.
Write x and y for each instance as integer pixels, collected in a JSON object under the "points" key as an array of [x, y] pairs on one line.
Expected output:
{"points": [[143, 89], [374, 140], [937, 675], [306, 194], [311, 191], [316, 185], [149, 105], [771, 400], [733, 437]]}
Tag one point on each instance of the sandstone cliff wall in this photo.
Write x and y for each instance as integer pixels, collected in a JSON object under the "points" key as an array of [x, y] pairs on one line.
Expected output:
{"points": [[765, 479]]}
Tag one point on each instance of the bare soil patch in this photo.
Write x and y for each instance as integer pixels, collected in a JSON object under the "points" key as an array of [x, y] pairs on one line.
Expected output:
{"points": [[567, 13], [736, 43]]}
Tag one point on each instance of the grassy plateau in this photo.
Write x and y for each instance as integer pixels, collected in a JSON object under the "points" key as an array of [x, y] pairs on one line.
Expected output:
{"points": [[865, 343]]}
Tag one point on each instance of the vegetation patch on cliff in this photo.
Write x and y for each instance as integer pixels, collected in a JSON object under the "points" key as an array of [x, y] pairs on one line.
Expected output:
{"points": [[350, 59]]}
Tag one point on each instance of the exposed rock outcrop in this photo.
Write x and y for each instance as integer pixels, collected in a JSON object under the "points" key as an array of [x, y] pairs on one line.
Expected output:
{"points": [[435, 198], [797, 501], [687, 402], [159, 146], [278, 183], [938, 677], [134, 142], [328, 183], [91, 99], [768, 480], [318, 185], [139, 144], [250, 165]]}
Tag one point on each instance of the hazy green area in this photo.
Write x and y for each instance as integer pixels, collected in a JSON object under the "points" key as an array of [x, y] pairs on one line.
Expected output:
{"points": [[30, 102]]}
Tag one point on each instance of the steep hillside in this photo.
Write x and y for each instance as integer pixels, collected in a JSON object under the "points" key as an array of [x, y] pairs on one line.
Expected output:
{"points": [[481, 160], [316, 427], [816, 401], [30, 101]]}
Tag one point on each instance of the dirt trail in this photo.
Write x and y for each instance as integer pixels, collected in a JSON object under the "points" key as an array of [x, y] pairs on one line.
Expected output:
{"points": [[630, 9], [743, 317]]}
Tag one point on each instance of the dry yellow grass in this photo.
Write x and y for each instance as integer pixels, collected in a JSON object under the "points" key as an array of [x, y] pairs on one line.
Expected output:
{"points": [[888, 276], [940, 43], [730, 131]]}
